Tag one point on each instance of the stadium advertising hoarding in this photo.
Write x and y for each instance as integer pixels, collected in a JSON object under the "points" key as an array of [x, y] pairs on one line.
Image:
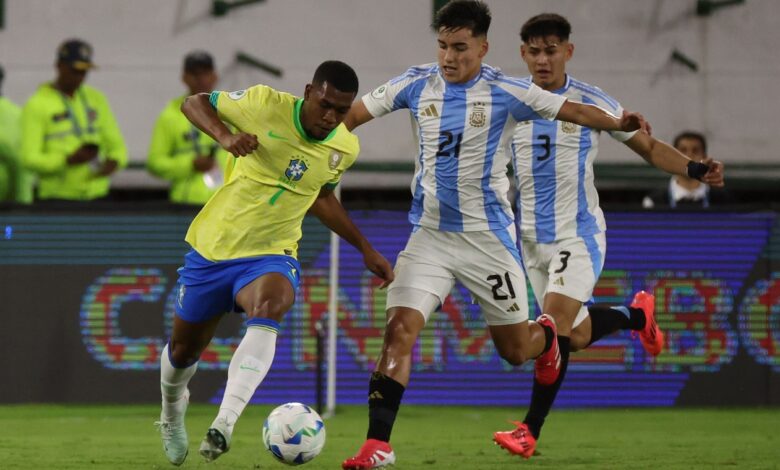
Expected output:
{"points": [[88, 303]]}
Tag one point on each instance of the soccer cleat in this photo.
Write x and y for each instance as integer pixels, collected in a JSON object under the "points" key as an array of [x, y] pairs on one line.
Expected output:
{"points": [[373, 454], [174, 434], [651, 336], [548, 365], [216, 443], [520, 441]]}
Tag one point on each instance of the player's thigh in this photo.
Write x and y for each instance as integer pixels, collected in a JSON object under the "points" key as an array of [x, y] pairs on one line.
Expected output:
{"points": [[204, 290], [267, 288], [576, 266], [489, 267], [563, 309], [536, 261]]}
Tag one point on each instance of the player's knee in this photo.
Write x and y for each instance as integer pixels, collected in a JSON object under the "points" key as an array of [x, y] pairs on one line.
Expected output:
{"points": [[399, 337], [273, 308], [183, 355]]}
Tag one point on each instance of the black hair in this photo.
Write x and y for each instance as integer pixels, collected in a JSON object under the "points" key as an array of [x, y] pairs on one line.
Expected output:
{"points": [[338, 74], [470, 14], [692, 135], [546, 24]]}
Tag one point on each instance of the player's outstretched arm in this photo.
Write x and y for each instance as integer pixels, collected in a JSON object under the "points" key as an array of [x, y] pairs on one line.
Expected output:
{"points": [[358, 114], [200, 112], [665, 157], [588, 115], [332, 214]]}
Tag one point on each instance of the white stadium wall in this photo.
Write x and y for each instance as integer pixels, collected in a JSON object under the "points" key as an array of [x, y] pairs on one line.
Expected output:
{"points": [[624, 46]]}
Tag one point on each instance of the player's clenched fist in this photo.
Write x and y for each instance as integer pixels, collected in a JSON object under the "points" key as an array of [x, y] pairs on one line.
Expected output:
{"points": [[240, 144], [714, 176], [634, 121]]}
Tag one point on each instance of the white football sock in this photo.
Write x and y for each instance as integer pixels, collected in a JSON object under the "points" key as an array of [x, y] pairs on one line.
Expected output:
{"points": [[173, 385], [248, 367]]}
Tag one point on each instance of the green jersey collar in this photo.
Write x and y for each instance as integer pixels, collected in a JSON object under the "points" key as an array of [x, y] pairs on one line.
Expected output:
{"points": [[299, 126]]}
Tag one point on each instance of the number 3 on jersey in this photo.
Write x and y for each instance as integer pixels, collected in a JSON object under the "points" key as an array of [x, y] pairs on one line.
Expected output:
{"points": [[545, 144]]}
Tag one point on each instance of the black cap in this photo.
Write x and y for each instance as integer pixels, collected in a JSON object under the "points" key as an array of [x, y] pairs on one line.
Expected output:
{"points": [[76, 53], [198, 60]]}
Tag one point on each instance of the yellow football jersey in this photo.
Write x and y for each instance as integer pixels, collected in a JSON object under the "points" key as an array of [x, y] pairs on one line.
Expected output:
{"points": [[260, 208]]}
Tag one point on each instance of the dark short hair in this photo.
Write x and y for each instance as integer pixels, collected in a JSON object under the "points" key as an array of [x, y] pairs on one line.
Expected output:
{"points": [[197, 61], [692, 135], [338, 74], [546, 24], [470, 14]]}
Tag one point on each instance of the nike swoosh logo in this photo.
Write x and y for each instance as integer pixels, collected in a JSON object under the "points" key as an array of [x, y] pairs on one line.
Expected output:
{"points": [[249, 368], [273, 135]]}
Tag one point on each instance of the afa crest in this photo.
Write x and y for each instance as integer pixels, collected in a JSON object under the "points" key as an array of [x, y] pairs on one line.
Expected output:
{"points": [[478, 115], [295, 169], [569, 127]]}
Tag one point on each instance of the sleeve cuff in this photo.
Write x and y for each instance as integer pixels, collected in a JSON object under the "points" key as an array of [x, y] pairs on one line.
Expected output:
{"points": [[213, 97]]}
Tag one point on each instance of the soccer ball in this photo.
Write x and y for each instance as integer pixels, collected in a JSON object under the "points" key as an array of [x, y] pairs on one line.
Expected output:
{"points": [[294, 433]]}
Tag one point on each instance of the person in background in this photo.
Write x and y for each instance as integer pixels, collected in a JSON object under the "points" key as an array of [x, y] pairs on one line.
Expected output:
{"points": [[684, 191], [70, 137], [15, 183], [181, 153]]}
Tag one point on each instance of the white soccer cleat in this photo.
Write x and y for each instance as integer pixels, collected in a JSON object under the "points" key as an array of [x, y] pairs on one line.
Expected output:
{"points": [[216, 442], [174, 433]]}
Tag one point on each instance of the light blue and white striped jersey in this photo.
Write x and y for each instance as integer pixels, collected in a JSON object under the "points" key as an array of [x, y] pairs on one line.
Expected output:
{"points": [[553, 164], [460, 182]]}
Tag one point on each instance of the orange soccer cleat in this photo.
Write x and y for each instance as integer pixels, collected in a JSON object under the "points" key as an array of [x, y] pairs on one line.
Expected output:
{"points": [[651, 336], [548, 365], [520, 441], [373, 454]]}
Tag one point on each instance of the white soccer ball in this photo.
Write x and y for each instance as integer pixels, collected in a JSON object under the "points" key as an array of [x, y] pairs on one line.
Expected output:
{"points": [[294, 433]]}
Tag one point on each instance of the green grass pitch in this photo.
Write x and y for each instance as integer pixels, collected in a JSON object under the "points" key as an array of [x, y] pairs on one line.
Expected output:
{"points": [[123, 437]]}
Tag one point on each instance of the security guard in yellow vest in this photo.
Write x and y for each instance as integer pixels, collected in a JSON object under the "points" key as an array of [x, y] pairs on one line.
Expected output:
{"points": [[15, 183], [179, 152], [70, 137]]}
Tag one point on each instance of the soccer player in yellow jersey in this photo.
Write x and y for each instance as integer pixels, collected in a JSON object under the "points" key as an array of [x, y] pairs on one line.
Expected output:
{"points": [[244, 240]]}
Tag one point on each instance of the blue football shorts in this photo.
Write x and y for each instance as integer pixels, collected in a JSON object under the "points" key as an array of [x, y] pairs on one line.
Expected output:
{"points": [[208, 288]]}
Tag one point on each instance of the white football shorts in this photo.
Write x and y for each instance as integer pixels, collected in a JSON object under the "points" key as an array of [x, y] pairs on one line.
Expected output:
{"points": [[487, 263], [569, 267]]}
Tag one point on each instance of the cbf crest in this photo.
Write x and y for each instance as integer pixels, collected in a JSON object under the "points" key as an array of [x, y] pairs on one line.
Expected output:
{"points": [[334, 160], [478, 115], [295, 169]]}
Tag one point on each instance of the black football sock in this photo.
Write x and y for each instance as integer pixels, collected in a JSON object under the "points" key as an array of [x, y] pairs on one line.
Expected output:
{"points": [[606, 319], [543, 396], [384, 399], [549, 335]]}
